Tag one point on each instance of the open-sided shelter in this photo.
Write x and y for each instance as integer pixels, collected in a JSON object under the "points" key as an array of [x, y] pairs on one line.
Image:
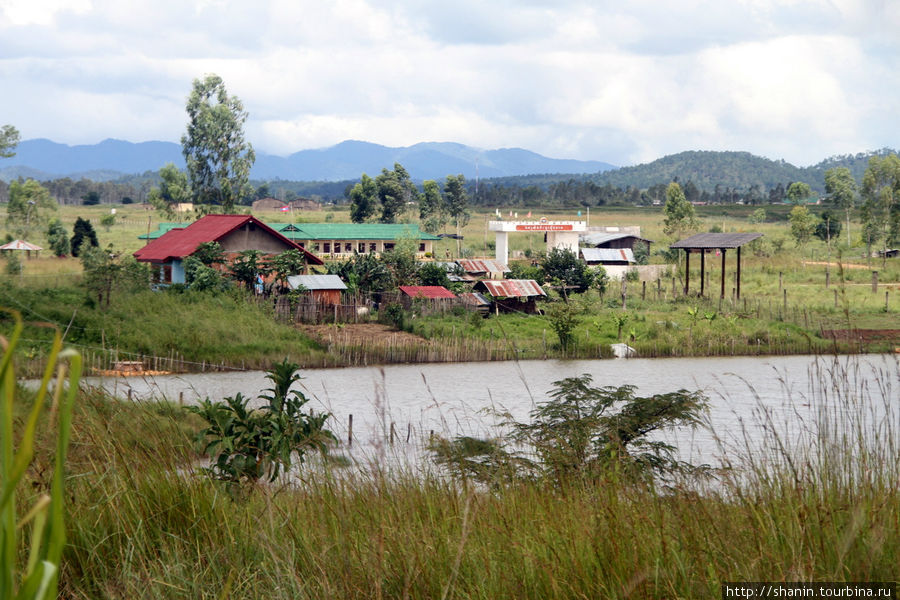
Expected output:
{"points": [[703, 243], [512, 295]]}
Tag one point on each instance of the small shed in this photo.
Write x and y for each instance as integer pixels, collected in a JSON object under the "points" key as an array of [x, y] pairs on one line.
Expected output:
{"points": [[613, 240], [21, 246], [324, 289], [435, 294], [476, 300], [512, 295]]}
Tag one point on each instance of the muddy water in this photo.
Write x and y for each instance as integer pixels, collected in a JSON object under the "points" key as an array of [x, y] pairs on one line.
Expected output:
{"points": [[750, 397]]}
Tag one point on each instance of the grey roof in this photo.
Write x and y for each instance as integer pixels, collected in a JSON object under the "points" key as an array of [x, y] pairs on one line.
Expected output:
{"points": [[716, 240], [607, 254], [316, 282], [595, 239]]}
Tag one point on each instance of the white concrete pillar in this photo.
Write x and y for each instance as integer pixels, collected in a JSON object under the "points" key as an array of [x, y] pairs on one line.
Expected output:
{"points": [[501, 247]]}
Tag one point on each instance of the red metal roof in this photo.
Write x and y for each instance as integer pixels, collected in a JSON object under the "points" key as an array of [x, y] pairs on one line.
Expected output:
{"points": [[426, 291], [484, 265], [511, 288], [178, 243]]}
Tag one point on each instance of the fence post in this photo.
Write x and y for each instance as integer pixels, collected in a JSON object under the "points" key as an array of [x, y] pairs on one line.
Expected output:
{"points": [[874, 281], [827, 277], [350, 431]]}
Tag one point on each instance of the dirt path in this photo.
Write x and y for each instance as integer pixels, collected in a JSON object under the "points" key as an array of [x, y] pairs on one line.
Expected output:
{"points": [[359, 333], [834, 264]]}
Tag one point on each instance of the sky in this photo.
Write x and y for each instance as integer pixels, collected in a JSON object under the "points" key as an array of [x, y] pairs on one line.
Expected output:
{"points": [[620, 82]]}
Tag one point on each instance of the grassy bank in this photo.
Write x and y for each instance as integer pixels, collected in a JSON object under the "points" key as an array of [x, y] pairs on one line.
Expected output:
{"points": [[144, 523]]}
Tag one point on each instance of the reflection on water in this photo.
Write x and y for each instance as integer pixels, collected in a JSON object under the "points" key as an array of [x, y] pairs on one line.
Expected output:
{"points": [[747, 394]]}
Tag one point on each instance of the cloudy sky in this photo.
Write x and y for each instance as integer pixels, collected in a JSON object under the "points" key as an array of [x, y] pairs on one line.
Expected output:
{"points": [[620, 82]]}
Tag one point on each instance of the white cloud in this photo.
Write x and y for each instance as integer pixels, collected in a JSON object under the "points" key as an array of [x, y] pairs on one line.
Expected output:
{"points": [[620, 82]]}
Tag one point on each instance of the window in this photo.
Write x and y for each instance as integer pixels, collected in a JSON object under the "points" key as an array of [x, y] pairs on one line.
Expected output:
{"points": [[362, 247], [388, 246], [327, 247], [372, 247], [422, 247], [348, 247]]}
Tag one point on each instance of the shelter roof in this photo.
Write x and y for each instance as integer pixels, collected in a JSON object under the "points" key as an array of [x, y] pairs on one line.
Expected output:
{"points": [[595, 239], [20, 245], [607, 254], [511, 288], [432, 292], [358, 231], [316, 282], [705, 241], [178, 243]]}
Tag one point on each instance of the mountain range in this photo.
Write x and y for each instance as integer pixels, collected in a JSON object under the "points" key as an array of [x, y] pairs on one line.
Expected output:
{"points": [[110, 159]]}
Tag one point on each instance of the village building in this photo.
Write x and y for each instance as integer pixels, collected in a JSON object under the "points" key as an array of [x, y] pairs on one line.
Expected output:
{"points": [[21, 246], [613, 240], [323, 289], [607, 256], [342, 240], [234, 233], [512, 295], [434, 294]]}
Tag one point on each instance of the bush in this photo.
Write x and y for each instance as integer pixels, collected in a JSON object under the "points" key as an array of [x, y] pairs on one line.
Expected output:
{"points": [[252, 444]]}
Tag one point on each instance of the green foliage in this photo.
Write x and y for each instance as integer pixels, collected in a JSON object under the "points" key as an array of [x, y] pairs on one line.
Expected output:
{"points": [[106, 271], [803, 224], [757, 216], [29, 207], [108, 220], [393, 314], [363, 199], [9, 139], [250, 444], [38, 577], [456, 200], [799, 192], [432, 209], [395, 190], [582, 433], [173, 190], [401, 261], [564, 317], [642, 253], [881, 201], [519, 270], [58, 238], [828, 227], [13, 263], [562, 267], [82, 233], [363, 273], [287, 263], [246, 266], [217, 156], [209, 253], [92, 198], [678, 211], [433, 274]]}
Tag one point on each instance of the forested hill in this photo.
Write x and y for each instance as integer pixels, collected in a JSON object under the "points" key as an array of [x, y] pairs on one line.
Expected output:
{"points": [[709, 170]]}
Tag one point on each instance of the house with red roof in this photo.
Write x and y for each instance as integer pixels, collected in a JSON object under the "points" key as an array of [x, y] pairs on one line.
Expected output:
{"points": [[235, 233], [434, 294]]}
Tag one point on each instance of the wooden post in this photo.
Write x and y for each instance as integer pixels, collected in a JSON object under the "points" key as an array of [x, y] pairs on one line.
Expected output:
{"points": [[703, 276], [643, 291], [393, 433], [658, 288], [780, 283], [785, 303], [687, 270], [885, 301], [874, 281], [722, 292], [350, 431], [827, 277]]}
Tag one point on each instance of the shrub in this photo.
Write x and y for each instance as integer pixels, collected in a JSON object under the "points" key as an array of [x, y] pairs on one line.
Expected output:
{"points": [[255, 443]]}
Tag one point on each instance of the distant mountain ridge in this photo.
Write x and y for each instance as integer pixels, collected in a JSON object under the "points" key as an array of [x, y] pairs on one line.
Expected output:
{"points": [[110, 159]]}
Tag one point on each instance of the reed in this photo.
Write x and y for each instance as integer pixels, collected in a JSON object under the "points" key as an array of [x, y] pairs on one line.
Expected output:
{"points": [[818, 502]]}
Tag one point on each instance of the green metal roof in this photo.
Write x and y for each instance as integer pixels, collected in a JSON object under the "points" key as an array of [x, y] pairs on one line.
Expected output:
{"points": [[161, 229], [355, 231]]}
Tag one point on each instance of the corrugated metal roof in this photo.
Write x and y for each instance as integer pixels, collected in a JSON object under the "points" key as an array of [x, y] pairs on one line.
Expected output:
{"points": [[511, 288], [607, 254], [358, 231], [316, 282], [595, 239], [432, 292], [716, 240], [484, 265], [20, 245], [178, 243], [475, 299]]}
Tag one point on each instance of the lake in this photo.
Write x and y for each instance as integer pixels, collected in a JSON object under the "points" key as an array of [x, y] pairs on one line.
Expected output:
{"points": [[749, 396]]}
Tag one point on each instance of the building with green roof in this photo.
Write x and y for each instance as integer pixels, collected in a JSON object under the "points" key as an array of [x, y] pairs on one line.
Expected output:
{"points": [[339, 240]]}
